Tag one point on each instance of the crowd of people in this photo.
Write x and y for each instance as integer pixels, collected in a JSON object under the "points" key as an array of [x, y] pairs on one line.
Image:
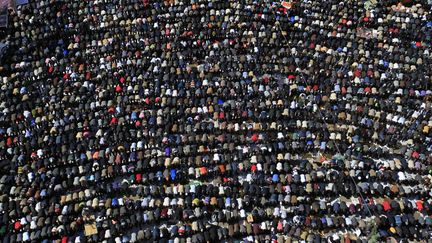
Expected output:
{"points": [[216, 121]]}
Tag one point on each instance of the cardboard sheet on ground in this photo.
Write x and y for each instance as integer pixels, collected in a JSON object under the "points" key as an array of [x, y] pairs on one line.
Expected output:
{"points": [[90, 229], [287, 5], [364, 33]]}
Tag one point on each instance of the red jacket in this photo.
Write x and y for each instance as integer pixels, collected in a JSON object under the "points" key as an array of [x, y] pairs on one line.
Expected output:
{"points": [[254, 137], [17, 225], [386, 206], [419, 204]]}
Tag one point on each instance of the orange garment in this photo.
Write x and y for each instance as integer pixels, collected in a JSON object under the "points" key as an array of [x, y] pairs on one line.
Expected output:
{"points": [[203, 170]]}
